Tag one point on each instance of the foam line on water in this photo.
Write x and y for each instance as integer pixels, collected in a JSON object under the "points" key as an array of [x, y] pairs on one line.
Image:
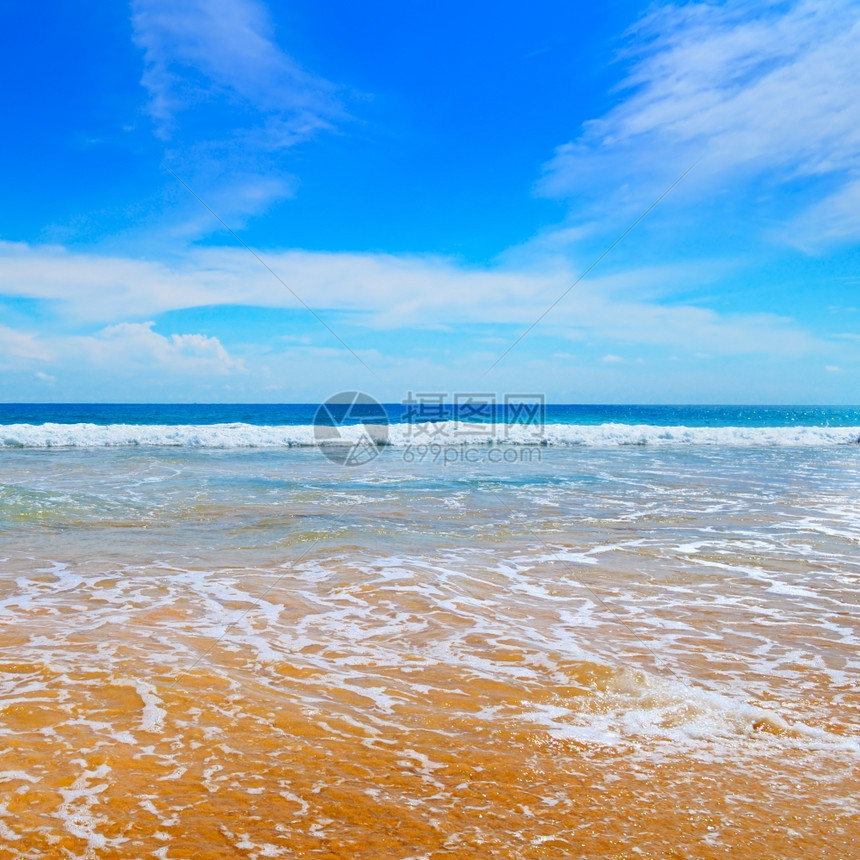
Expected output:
{"points": [[403, 435]]}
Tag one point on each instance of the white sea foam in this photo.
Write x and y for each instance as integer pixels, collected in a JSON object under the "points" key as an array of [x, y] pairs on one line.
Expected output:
{"points": [[152, 717], [402, 435], [79, 800], [637, 705]]}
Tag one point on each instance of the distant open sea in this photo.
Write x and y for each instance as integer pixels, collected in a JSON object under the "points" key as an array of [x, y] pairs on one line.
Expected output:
{"points": [[626, 631], [236, 425], [297, 414]]}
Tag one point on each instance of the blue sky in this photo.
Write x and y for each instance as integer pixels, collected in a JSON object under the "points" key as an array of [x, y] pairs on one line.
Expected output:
{"points": [[429, 179]]}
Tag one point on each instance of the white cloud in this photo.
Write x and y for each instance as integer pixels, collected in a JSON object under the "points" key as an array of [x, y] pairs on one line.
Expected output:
{"points": [[137, 343], [770, 89], [16, 344], [385, 292], [118, 351]]}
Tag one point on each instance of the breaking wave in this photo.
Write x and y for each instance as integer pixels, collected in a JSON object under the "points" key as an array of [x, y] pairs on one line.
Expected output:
{"points": [[401, 435]]}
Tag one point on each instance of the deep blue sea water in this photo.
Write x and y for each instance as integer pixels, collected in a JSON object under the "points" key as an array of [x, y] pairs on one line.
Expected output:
{"points": [[298, 414]]}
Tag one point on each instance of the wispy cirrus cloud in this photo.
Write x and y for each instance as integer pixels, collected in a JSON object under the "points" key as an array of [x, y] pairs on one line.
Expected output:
{"points": [[227, 101], [756, 90], [205, 50], [834, 219]]}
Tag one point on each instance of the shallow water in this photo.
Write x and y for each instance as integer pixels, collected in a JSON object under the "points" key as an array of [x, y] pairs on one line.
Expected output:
{"points": [[597, 652]]}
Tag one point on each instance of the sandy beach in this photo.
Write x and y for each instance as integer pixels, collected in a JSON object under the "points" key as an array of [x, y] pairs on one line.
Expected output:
{"points": [[612, 652]]}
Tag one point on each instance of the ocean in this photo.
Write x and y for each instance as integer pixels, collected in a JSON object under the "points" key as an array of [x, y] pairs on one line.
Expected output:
{"points": [[581, 631]]}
